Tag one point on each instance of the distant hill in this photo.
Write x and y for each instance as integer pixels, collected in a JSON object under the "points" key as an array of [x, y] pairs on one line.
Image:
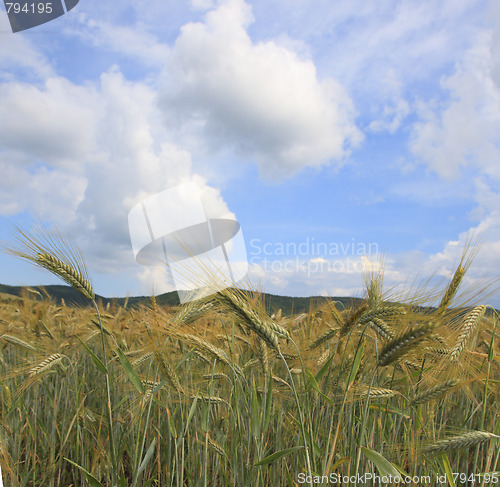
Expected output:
{"points": [[288, 305]]}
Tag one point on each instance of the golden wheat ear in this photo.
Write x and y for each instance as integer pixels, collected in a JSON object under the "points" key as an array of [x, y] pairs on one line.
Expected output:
{"points": [[51, 251]]}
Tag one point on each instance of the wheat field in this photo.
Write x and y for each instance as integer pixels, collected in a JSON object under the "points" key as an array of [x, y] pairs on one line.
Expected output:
{"points": [[219, 392]]}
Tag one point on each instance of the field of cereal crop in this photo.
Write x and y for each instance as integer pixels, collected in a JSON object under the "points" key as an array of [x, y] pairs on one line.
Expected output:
{"points": [[219, 393]]}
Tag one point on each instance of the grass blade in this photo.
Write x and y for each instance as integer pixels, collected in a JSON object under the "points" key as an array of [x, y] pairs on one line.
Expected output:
{"points": [[97, 361], [384, 466], [274, 457], [129, 370], [91, 479], [147, 457], [445, 463]]}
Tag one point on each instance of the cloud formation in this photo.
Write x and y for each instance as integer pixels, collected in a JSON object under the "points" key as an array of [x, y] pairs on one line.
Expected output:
{"points": [[464, 133], [459, 139], [81, 156], [260, 98]]}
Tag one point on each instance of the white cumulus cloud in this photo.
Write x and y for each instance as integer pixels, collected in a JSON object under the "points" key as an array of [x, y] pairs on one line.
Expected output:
{"points": [[261, 99], [81, 156]]}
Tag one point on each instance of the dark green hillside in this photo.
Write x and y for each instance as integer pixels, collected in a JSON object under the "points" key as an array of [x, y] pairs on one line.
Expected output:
{"points": [[288, 305]]}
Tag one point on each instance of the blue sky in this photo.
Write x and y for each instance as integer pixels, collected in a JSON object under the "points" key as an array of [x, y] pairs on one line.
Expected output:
{"points": [[366, 123]]}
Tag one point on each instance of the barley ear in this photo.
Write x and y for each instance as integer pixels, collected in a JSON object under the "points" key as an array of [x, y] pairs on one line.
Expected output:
{"points": [[435, 392], [324, 337], [67, 273], [52, 252], [45, 365], [467, 440], [455, 282], [468, 326], [264, 327], [403, 344]]}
